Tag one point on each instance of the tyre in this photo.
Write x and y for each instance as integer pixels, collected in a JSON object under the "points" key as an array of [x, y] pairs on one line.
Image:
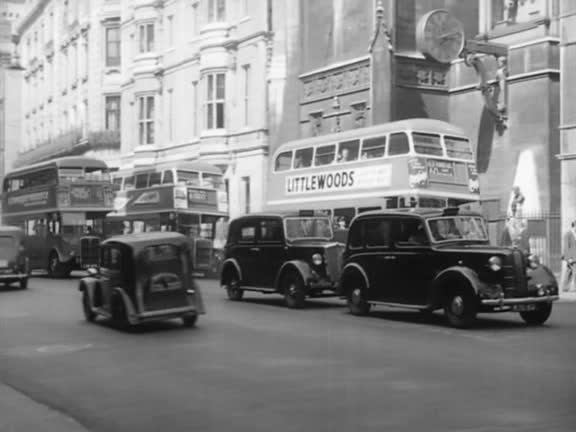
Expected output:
{"points": [[460, 308], [89, 315], [190, 320], [24, 283], [119, 313], [538, 316], [232, 285], [294, 290], [356, 301]]}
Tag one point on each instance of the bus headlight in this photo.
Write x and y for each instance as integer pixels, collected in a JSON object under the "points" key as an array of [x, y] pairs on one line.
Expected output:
{"points": [[317, 259], [533, 261], [495, 263]]}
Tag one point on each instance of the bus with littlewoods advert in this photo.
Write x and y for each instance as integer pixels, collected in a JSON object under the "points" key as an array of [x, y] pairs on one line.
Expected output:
{"points": [[61, 205], [185, 197], [402, 164]]}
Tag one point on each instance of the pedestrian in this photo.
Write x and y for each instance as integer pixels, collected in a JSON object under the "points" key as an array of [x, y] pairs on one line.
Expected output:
{"points": [[568, 259]]}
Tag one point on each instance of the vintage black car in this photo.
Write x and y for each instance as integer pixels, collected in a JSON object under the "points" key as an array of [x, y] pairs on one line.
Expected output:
{"points": [[428, 259], [281, 253], [14, 262], [143, 277]]}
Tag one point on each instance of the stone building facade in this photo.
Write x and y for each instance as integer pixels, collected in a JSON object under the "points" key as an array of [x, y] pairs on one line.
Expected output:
{"points": [[195, 86], [335, 74], [62, 46]]}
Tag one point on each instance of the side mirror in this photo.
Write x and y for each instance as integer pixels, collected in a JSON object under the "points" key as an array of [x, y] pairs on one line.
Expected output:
{"points": [[92, 271]]}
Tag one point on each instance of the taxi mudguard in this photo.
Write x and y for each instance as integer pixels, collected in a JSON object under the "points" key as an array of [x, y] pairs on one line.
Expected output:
{"points": [[454, 273], [352, 270], [299, 266], [230, 263]]}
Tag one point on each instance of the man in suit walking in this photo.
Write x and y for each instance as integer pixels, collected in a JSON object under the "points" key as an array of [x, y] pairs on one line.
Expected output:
{"points": [[568, 259]]}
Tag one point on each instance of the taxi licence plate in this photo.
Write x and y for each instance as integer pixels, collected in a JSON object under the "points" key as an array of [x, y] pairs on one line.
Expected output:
{"points": [[524, 307]]}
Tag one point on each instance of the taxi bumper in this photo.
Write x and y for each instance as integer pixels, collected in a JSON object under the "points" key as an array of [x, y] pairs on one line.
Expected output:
{"points": [[519, 301]]}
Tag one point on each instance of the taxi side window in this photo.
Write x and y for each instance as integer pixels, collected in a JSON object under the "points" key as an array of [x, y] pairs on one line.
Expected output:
{"points": [[377, 233], [355, 236], [111, 258], [271, 230], [247, 233], [410, 232]]}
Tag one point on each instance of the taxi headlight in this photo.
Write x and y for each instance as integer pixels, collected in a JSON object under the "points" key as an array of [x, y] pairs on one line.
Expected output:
{"points": [[317, 259], [495, 263]]}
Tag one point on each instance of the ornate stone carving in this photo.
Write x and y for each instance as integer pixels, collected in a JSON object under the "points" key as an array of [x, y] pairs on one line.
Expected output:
{"points": [[359, 110], [416, 73], [493, 86], [316, 123], [335, 82], [510, 10]]}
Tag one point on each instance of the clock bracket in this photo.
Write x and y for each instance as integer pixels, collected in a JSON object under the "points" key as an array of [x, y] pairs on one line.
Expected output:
{"points": [[493, 86]]}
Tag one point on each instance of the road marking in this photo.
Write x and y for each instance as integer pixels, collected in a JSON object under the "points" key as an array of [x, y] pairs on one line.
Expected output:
{"points": [[62, 348], [31, 351]]}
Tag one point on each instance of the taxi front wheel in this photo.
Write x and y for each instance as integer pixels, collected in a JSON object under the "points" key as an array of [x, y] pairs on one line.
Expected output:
{"points": [[190, 320], [233, 289], [460, 308], [538, 316], [89, 315], [294, 292]]}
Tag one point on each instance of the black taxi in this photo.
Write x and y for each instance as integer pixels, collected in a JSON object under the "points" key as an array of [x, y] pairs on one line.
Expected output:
{"points": [[283, 253], [14, 261], [428, 259], [143, 277]]}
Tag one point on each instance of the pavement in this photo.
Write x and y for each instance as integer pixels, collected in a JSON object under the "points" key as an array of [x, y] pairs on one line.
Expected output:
{"points": [[257, 366]]}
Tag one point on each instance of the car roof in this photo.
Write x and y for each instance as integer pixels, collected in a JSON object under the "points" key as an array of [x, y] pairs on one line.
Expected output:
{"points": [[424, 213], [140, 241]]}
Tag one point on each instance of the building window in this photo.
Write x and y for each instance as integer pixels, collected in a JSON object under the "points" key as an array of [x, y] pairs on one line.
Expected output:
{"points": [[215, 100], [113, 46], [171, 31], [146, 119], [216, 10], [171, 115], [246, 193], [146, 38], [112, 114], [195, 108], [246, 70]]}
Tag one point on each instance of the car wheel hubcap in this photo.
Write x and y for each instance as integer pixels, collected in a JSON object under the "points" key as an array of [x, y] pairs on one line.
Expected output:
{"points": [[292, 290], [54, 263], [356, 296], [457, 305]]}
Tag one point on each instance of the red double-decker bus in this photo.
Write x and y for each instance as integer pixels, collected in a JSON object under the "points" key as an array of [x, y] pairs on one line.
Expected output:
{"points": [[61, 205], [187, 197]]}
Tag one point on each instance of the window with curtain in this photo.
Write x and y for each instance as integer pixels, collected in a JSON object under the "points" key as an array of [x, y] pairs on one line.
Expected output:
{"points": [[146, 33], [113, 46], [112, 115], [146, 120], [215, 100]]}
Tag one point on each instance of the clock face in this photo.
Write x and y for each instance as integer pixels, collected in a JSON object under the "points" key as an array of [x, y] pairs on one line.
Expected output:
{"points": [[440, 36]]}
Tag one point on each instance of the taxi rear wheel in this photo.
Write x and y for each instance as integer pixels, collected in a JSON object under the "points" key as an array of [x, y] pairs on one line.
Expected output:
{"points": [[233, 288], [293, 288], [119, 312], [538, 316], [356, 300], [89, 315], [190, 320]]}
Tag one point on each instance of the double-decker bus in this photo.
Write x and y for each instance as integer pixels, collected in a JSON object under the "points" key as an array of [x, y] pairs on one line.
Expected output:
{"points": [[402, 164], [61, 205], [187, 197]]}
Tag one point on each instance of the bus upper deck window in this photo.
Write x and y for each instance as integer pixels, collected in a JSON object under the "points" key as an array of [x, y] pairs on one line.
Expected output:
{"points": [[427, 144], [214, 181], [398, 144], [168, 177], [348, 151], [283, 161], [374, 147], [142, 181], [155, 179], [117, 185], [129, 183], [190, 178], [303, 158], [325, 155], [458, 148]]}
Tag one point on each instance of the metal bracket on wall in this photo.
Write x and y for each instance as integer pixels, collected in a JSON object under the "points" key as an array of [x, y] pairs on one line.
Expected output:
{"points": [[493, 86]]}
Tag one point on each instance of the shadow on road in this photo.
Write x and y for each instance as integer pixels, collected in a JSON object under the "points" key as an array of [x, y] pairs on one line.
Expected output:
{"points": [[277, 300], [504, 322], [147, 328]]}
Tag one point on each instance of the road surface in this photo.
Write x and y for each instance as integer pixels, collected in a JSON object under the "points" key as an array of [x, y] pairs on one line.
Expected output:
{"points": [[257, 366]]}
